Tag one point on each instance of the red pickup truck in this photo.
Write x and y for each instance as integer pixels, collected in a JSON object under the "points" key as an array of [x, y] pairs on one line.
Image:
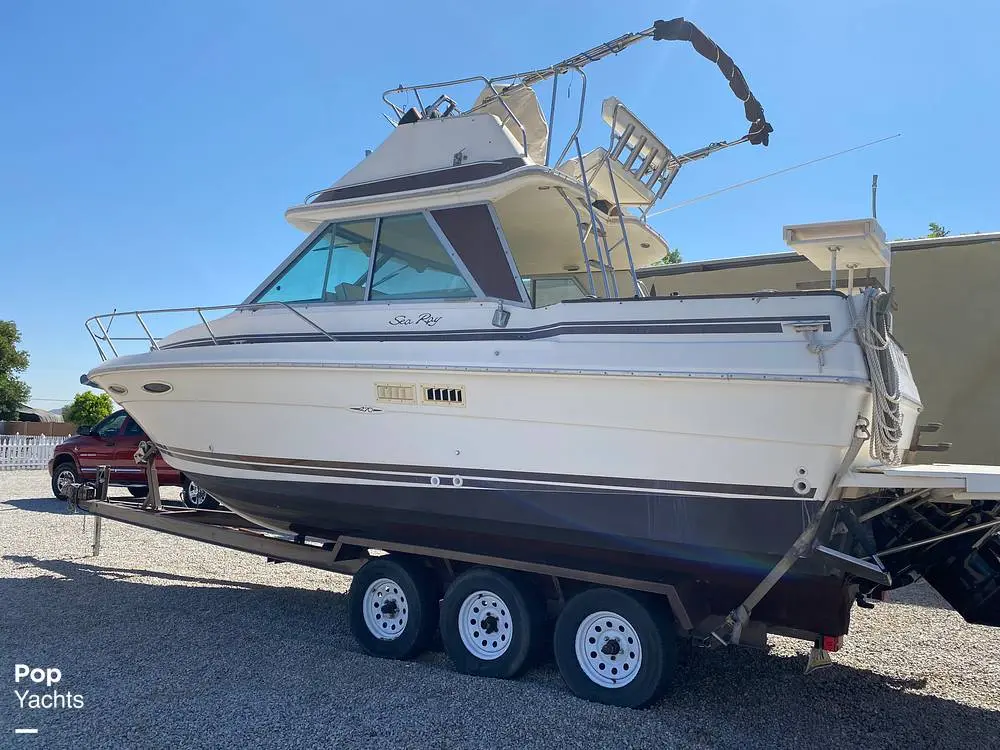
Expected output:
{"points": [[113, 442]]}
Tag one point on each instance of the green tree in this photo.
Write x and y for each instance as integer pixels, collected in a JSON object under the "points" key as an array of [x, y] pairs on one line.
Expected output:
{"points": [[88, 408], [14, 392], [936, 230], [672, 256]]}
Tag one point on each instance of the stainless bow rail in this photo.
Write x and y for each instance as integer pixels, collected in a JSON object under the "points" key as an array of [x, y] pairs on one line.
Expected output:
{"points": [[102, 335]]}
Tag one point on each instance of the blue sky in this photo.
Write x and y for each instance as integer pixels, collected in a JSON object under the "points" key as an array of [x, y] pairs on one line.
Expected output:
{"points": [[148, 150]]}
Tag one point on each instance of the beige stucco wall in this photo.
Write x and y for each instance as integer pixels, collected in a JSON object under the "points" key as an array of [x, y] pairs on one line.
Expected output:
{"points": [[948, 321]]}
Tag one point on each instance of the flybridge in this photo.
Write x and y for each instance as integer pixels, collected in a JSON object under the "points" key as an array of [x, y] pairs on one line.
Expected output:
{"points": [[499, 152], [632, 134]]}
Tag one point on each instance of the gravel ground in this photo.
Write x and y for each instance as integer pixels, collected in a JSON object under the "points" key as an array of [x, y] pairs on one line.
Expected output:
{"points": [[173, 643]]}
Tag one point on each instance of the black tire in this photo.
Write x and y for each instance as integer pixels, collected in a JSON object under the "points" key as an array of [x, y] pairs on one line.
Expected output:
{"points": [[657, 639], [67, 468], [138, 491], [515, 617], [413, 596], [196, 498]]}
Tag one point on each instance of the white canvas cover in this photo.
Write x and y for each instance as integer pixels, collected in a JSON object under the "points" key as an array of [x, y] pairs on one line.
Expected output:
{"points": [[523, 104]]}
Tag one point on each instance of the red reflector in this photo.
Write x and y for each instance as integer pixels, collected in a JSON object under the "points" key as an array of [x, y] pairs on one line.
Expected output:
{"points": [[831, 643]]}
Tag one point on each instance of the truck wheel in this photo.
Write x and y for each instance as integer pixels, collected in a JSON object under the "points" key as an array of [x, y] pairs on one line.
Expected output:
{"points": [[615, 647], [392, 607], [63, 474], [196, 497], [138, 491], [491, 623]]}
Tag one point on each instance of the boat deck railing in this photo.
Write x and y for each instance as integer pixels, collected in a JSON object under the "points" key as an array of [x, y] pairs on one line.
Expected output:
{"points": [[137, 326], [452, 108]]}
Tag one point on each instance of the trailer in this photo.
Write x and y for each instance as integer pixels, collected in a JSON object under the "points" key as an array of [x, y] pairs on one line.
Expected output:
{"points": [[616, 637]]}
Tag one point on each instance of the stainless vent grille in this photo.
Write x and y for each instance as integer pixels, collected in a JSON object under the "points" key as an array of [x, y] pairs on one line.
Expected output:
{"points": [[396, 393], [449, 395]]}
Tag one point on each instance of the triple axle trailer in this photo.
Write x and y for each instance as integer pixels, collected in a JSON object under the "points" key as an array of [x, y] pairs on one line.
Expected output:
{"points": [[616, 634]]}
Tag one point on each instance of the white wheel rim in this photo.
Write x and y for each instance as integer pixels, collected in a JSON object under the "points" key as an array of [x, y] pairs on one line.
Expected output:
{"points": [[196, 495], [65, 479], [386, 610], [485, 625], [608, 649]]}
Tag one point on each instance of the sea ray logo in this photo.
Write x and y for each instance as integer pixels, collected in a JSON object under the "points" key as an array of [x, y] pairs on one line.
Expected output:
{"points": [[423, 319], [366, 409]]}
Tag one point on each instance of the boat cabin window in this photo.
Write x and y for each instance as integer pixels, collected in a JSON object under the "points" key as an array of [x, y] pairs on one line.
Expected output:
{"points": [[550, 290], [412, 263], [334, 268]]}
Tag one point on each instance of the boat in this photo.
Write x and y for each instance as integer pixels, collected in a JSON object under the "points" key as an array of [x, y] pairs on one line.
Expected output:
{"points": [[460, 354]]}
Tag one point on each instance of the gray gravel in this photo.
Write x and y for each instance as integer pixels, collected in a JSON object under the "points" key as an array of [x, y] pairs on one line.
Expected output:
{"points": [[174, 643]]}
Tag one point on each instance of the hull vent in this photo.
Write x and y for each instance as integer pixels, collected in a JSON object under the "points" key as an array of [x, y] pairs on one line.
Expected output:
{"points": [[396, 393], [444, 394]]}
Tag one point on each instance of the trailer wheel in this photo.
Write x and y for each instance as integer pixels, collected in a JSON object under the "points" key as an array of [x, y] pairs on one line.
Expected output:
{"points": [[391, 607], [615, 647], [491, 623]]}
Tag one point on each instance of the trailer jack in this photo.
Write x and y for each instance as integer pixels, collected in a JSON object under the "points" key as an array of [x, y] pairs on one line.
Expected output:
{"points": [[145, 455], [819, 657]]}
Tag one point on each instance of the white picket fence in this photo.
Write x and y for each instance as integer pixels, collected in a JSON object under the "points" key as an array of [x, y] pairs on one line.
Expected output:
{"points": [[26, 451]]}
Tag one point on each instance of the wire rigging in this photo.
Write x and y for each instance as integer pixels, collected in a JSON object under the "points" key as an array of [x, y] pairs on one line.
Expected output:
{"points": [[712, 194]]}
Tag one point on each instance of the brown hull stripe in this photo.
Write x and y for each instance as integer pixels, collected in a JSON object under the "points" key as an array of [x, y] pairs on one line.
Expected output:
{"points": [[476, 477], [437, 178]]}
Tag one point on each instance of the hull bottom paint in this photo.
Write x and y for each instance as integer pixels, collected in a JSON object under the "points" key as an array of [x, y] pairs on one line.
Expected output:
{"points": [[717, 547]]}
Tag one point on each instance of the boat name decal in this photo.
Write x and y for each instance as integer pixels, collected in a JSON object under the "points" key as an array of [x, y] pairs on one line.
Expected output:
{"points": [[423, 319], [366, 409]]}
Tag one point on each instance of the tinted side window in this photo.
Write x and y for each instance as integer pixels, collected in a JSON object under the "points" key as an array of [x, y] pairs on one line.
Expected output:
{"points": [[132, 428], [411, 263], [347, 275], [303, 280], [333, 268], [110, 427]]}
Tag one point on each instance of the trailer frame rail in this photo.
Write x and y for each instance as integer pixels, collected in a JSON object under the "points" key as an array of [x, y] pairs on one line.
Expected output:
{"points": [[345, 555]]}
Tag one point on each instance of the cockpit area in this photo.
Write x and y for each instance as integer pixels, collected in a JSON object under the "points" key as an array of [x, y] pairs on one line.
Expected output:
{"points": [[524, 249]]}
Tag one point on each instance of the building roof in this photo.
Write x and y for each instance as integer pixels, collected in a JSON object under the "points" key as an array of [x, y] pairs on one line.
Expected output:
{"points": [[28, 414], [896, 246]]}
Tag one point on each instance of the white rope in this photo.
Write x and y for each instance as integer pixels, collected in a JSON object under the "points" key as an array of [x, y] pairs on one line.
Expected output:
{"points": [[872, 329]]}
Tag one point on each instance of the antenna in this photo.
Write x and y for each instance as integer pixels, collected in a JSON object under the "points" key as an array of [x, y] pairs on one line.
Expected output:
{"points": [[874, 196]]}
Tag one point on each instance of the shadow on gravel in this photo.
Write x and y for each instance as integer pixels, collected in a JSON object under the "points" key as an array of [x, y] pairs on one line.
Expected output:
{"points": [[39, 505], [79, 569], [220, 663]]}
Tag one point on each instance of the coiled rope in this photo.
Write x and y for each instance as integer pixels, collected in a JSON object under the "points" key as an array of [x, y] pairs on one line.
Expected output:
{"points": [[871, 324]]}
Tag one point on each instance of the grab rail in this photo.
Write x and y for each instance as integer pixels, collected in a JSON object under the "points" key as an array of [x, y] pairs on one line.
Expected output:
{"points": [[104, 322], [488, 82]]}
